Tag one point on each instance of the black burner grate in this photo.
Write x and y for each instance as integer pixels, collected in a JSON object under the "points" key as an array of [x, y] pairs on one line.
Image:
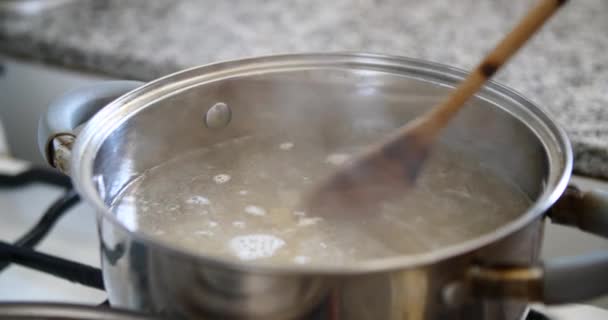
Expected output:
{"points": [[21, 252]]}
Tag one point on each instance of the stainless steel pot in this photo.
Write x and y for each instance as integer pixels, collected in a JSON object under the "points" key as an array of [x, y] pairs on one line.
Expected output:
{"points": [[130, 127]]}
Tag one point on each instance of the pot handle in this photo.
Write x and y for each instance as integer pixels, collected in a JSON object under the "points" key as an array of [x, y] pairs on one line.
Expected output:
{"points": [[57, 128], [563, 276], [558, 280], [586, 210]]}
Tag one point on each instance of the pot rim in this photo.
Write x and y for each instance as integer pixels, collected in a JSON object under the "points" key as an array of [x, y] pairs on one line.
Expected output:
{"points": [[103, 123]]}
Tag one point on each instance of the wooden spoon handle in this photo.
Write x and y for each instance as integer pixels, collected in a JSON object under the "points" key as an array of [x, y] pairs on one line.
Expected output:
{"points": [[527, 26], [387, 169]]}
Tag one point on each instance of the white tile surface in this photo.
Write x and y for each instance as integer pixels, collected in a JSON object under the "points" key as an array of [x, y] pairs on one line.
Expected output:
{"points": [[74, 237]]}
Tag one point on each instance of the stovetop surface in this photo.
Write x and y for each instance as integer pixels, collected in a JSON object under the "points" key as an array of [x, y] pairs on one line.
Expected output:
{"points": [[20, 209]]}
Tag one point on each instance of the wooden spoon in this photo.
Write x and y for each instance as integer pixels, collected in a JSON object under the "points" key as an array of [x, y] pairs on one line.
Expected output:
{"points": [[390, 168]]}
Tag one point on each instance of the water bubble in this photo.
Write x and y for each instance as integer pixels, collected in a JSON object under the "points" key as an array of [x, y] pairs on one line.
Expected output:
{"points": [[198, 200], [301, 259], [203, 233], [158, 232], [218, 116], [173, 207], [244, 192], [299, 213], [464, 193], [239, 224], [255, 210], [221, 178], [286, 145], [337, 158], [213, 224], [241, 139], [302, 222], [255, 246]]}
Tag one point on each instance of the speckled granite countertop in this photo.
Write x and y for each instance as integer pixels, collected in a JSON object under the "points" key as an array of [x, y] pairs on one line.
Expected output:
{"points": [[564, 68]]}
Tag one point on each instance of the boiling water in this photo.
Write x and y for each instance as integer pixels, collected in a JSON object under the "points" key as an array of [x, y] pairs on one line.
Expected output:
{"points": [[239, 199]]}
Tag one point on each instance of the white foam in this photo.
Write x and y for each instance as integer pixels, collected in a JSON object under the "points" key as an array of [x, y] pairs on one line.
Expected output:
{"points": [[198, 200], [337, 158], [301, 259], [460, 193], [244, 192], [255, 246], [302, 222], [221, 178], [299, 213], [221, 144], [241, 139], [239, 224], [255, 210], [203, 233], [213, 224], [286, 145], [129, 199]]}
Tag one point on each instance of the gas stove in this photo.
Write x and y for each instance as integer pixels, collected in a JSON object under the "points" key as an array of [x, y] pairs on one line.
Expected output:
{"points": [[49, 261]]}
